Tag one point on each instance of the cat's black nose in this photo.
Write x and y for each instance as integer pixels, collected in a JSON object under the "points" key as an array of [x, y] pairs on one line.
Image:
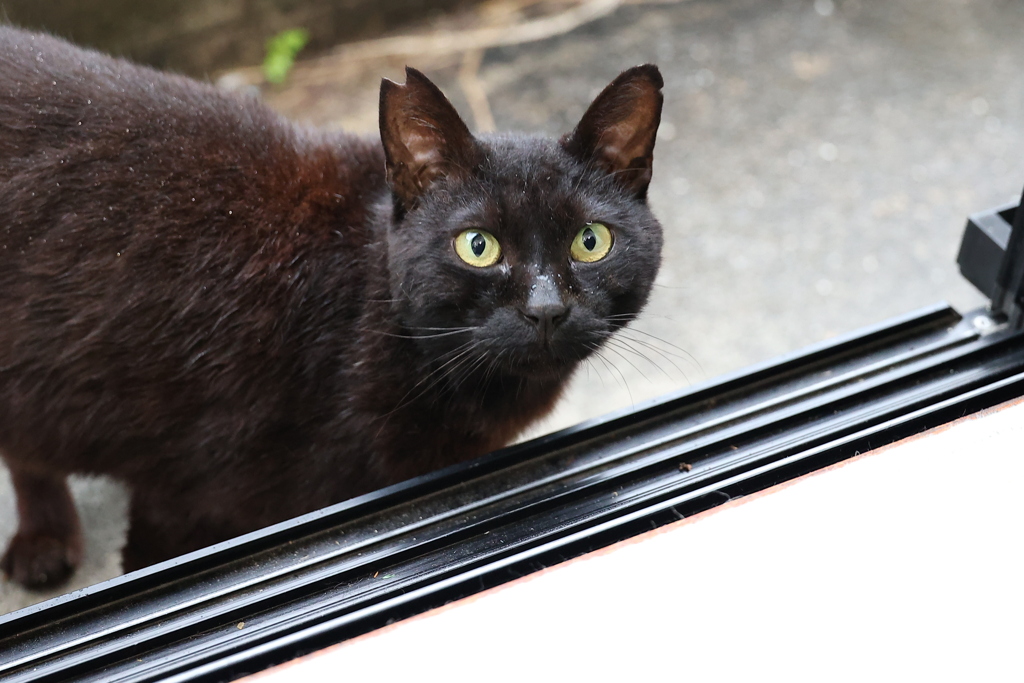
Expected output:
{"points": [[545, 307], [546, 317]]}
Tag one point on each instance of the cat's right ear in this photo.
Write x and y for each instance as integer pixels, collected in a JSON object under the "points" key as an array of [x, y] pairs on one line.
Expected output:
{"points": [[424, 138], [618, 130]]}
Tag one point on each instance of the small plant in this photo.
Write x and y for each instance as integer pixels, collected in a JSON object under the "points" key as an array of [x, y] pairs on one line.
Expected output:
{"points": [[281, 51]]}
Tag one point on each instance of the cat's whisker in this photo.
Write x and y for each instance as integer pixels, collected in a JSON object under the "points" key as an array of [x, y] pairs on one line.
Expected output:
{"points": [[644, 315], [597, 371], [687, 356], [663, 341], [609, 364], [453, 365], [407, 400], [588, 364], [678, 288], [612, 347], [467, 328], [686, 377], [449, 333], [467, 371], [462, 354], [633, 318], [464, 370], [667, 355], [625, 384], [492, 365], [625, 346], [495, 361], [447, 355]]}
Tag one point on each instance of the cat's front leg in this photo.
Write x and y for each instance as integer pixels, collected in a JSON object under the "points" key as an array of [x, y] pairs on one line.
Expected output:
{"points": [[163, 526], [47, 547]]}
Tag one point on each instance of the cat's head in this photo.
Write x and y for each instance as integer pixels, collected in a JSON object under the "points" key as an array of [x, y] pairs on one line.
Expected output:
{"points": [[516, 254]]}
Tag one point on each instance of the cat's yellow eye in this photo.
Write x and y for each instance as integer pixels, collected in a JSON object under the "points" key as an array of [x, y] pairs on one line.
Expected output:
{"points": [[478, 248], [592, 243]]}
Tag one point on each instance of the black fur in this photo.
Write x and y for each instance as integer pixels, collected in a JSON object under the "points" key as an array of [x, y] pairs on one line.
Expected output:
{"points": [[246, 320]]}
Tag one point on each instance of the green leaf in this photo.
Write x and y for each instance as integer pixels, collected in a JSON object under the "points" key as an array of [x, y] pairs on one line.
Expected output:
{"points": [[281, 52]]}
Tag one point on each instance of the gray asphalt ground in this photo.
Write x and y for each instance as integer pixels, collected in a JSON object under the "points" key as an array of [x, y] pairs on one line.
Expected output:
{"points": [[814, 168]]}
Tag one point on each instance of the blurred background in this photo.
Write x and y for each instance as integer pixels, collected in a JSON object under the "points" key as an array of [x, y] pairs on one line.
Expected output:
{"points": [[815, 165]]}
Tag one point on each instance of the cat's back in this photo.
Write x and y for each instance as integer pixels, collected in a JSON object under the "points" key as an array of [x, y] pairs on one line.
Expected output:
{"points": [[157, 232], [56, 96], [84, 107], [91, 144]]}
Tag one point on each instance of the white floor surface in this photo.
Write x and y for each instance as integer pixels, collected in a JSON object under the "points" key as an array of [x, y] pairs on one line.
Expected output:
{"points": [[904, 564]]}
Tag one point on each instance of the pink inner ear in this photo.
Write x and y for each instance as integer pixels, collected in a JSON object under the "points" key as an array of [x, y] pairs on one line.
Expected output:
{"points": [[423, 136], [624, 147], [620, 126], [623, 143], [425, 150]]}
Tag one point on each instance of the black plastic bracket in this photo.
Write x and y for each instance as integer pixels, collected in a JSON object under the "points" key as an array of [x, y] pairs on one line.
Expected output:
{"points": [[992, 259]]}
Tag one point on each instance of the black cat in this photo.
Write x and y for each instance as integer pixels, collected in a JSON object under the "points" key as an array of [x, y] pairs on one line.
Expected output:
{"points": [[246, 320]]}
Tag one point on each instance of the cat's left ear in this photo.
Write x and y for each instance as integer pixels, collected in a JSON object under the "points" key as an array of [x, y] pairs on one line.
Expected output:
{"points": [[424, 138], [618, 130]]}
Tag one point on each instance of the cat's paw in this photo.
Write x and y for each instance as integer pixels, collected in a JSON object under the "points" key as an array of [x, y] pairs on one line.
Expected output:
{"points": [[37, 561]]}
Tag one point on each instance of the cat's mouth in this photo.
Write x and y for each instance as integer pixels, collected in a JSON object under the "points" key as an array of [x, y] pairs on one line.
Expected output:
{"points": [[517, 346], [540, 364], [543, 359], [507, 345]]}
